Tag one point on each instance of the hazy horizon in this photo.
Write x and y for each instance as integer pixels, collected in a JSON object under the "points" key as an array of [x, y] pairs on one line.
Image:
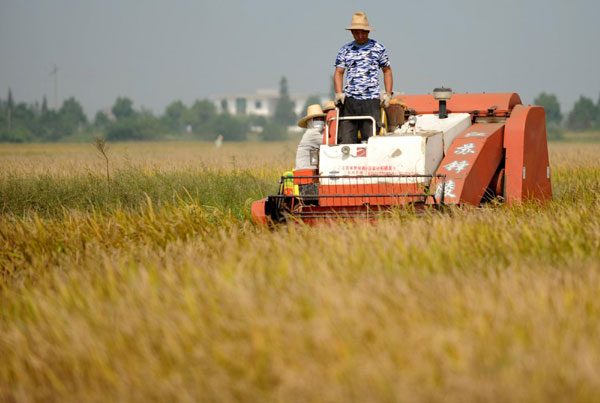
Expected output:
{"points": [[157, 52]]}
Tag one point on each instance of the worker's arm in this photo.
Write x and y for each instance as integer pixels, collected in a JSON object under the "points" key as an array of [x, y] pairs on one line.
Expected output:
{"points": [[338, 79], [388, 79]]}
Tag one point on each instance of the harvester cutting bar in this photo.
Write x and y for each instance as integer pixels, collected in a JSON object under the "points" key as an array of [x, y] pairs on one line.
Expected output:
{"points": [[359, 190], [358, 195], [318, 198], [344, 214], [364, 176]]}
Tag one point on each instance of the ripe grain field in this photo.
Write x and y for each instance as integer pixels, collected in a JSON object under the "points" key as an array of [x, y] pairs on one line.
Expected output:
{"points": [[156, 286]]}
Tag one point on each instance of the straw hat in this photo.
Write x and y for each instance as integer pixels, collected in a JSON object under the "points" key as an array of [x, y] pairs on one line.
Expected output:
{"points": [[329, 105], [313, 111], [359, 21]]}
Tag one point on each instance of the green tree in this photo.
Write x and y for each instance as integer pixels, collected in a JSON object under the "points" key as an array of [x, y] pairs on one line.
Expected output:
{"points": [[148, 126], [15, 135], [142, 126], [284, 109], [9, 109], [584, 115], [201, 116], [2, 114], [44, 106], [72, 115], [202, 111], [598, 113], [273, 131], [553, 115], [174, 116], [101, 121], [123, 108], [257, 120], [32, 122], [231, 127], [552, 107], [22, 115], [50, 126], [22, 122], [122, 130]]}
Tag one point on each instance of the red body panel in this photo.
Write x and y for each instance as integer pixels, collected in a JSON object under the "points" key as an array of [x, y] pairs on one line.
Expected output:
{"points": [[527, 172], [305, 172], [471, 162], [369, 189], [463, 103], [332, 126], [259, 216]]}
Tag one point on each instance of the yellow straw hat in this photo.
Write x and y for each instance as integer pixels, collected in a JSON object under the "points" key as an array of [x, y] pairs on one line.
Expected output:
{"points": [[359, 21], [313, 111], [329, 105]]}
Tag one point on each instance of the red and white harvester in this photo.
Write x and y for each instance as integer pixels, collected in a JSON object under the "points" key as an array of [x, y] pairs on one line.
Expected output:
{"points": [[435, 150]]}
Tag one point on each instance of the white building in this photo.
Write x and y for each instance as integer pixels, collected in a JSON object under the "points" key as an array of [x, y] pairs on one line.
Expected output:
{"points": [[261, 103]]}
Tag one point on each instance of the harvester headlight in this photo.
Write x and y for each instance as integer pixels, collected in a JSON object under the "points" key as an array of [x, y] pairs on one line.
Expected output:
{"points": [[442, 94], [412, 121], [314, 158], [346, 150]]}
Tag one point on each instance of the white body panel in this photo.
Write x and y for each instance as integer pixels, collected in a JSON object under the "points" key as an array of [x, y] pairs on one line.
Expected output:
{"points": [[408, 155], [402, 153], [452, 126], [333, 162]]}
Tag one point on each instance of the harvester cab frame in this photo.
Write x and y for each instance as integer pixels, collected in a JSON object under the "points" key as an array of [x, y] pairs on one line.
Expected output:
{"points": [[337, 119]]}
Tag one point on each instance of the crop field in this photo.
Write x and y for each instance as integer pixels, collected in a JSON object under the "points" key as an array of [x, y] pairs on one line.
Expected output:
{"points": [[153, 285]]}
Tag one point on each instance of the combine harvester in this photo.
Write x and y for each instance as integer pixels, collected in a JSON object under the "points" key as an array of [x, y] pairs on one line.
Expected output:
{"points": [[444, 149]]}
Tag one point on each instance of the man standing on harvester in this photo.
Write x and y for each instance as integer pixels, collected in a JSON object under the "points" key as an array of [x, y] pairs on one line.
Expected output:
{"points": [[360, 96]]}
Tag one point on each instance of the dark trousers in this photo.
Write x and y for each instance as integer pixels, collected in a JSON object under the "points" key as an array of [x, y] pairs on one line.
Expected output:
{"points": [[348, 129]]}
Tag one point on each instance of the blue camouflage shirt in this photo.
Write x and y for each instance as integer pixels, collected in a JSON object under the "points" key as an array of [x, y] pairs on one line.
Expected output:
{"points": [[362, 66]]}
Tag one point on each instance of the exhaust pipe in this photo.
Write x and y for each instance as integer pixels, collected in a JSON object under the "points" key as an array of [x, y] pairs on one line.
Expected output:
{"points": [[442, 95]]}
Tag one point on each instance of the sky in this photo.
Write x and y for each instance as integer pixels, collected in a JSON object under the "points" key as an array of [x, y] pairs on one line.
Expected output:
{"points": [[156, 52]]}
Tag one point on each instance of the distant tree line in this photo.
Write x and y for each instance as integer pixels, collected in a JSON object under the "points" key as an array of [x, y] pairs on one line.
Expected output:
{"points": [[21, 122], [585, 115]]}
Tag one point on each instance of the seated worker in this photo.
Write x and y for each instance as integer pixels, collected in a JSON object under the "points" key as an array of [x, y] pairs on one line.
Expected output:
{"points": [[314, 123]]}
